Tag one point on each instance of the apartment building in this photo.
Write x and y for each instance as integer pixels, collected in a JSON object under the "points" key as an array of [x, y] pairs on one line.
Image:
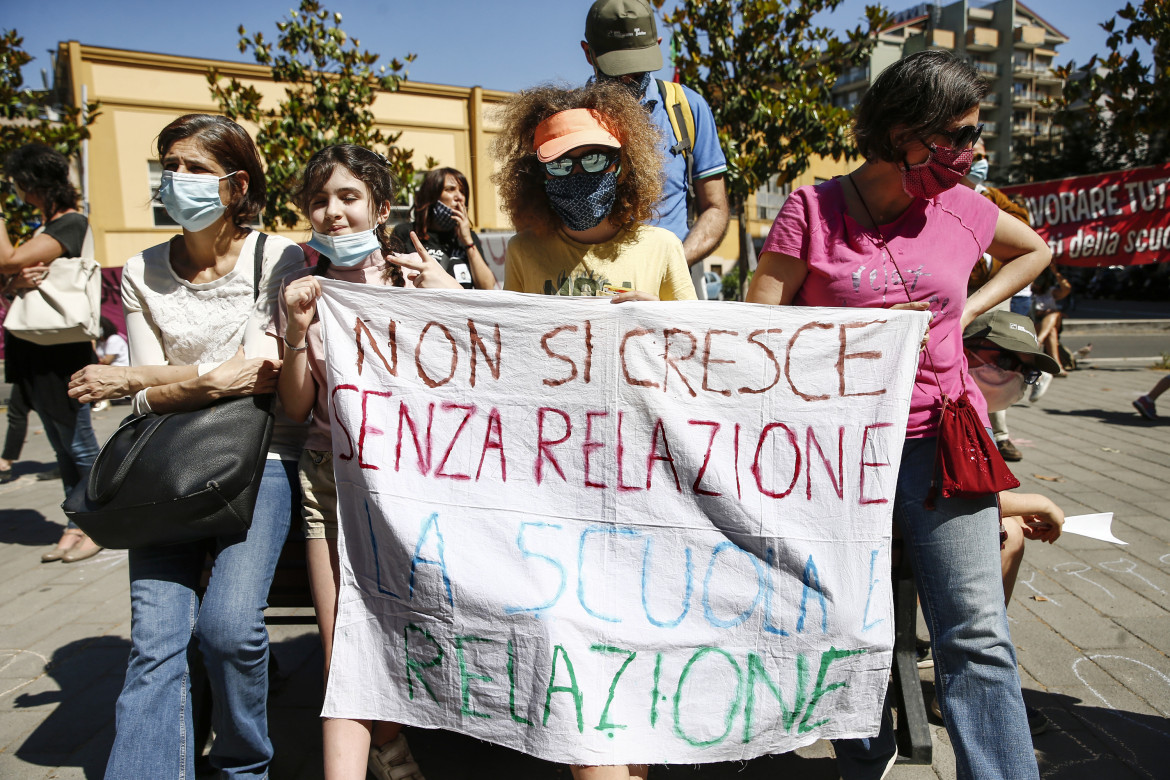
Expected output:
{"points": [[1010, 45]]}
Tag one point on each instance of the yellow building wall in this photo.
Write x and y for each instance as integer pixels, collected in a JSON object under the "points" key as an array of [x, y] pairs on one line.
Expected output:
{"points": [[141, 93]]}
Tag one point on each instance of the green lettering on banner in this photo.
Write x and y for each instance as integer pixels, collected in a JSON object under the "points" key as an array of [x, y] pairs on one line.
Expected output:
{"points": [[603, 723], [572, 688], [756, 671], [465, 677], [655, 697], [734, 708], [512, 687], [414, 666], [827, 658]]}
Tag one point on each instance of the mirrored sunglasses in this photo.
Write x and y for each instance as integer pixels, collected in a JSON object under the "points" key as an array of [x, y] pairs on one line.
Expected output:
{"points": [[593, 162]]}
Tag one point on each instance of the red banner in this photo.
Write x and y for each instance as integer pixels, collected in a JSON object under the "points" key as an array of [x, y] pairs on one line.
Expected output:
{"points": [[1119, 218]]}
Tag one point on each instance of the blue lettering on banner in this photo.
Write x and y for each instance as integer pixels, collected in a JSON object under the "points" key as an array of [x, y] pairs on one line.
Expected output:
{"points": [[416, 559], [539, 608], [597, 529], [374, 550], [690, 588], [865, 624]]}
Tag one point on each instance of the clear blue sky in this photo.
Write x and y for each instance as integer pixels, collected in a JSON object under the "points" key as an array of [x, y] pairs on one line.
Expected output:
{"points": [[499, 45]]}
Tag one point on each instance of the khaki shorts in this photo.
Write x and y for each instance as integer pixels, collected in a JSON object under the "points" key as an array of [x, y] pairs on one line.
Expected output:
{"points": [[320, 494]]}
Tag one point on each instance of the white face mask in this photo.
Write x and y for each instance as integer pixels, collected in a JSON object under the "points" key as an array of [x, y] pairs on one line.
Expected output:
{"points": [[1000, 388], [346, 250], [192, 199]]}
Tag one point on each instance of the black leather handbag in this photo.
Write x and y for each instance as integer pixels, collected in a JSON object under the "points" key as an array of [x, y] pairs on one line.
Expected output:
{"points": [[179, 476]]}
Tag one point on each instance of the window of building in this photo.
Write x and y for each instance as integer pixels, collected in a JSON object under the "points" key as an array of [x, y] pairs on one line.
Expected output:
{"points": [[770, 198]]}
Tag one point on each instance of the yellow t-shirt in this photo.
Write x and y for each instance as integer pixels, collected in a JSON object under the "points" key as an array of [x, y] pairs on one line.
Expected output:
{"points": [[649, 259]]}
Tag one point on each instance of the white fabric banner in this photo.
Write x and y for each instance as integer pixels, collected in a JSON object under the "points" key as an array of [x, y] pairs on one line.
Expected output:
{"points": [[608, 534]]}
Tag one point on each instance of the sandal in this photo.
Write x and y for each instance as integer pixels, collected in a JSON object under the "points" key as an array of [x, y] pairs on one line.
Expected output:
{"points": [[70, 539]]}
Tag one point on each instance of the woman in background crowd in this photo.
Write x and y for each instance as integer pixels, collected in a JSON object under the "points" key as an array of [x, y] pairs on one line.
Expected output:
{"points": [[442, 225], [39, 373]]}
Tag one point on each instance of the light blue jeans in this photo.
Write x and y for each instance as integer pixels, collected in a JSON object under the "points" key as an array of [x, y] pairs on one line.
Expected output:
{"points": [[955, 553], [74, 445], [155, 737]]}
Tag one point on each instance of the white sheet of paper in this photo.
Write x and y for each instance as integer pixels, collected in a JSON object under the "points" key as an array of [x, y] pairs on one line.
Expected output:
{"points": [[1095, 526]]}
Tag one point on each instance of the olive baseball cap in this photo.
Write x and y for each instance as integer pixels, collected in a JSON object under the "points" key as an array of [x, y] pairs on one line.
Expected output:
{"points": [[623, 37], [1013, 332]]}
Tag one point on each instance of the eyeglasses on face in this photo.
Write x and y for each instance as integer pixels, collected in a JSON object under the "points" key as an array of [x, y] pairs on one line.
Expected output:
{"points": [[963, 137], [1006, 360], [592, 162]]}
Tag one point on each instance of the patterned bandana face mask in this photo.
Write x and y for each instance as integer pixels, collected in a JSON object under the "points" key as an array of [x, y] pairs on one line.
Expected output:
{"points": [[442, 217], [582, 200], [940, 171], [636, 87]]}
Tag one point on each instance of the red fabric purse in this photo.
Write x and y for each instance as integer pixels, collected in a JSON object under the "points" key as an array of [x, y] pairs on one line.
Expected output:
{"points": [[967, 462]]}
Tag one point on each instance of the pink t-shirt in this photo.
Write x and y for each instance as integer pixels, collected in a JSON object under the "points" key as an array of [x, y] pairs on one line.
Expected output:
{"points": [[369, 271], [935, 244]]}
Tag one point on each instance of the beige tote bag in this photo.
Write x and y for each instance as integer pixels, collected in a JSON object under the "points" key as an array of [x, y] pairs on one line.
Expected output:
{"points": [[66, 307]]}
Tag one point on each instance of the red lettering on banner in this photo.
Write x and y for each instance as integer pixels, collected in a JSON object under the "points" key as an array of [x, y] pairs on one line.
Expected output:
{"points": [[788, 358], [637, 332], [708, 360], [866, 464], [757, 472], [669, 362], [621, 452], [706, 456], [588, 349], [810, 441], [544, 446], [552, 334], [469, 410], [477, 343], [590, 445], [360, 327], [493, 423], [367, 428], [771, 356], [738, 487], [424, 461], [842, 356], [340, 422], [422, 374], [668, 458]]}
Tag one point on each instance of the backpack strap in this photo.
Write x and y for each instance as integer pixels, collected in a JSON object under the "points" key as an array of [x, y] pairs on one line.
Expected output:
{"points": [[682, 122]]}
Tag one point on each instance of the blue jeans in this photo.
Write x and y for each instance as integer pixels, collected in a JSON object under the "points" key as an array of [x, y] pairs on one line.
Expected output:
{"points": [[1022, 304], [955, 554], [74, 445], [155, 737]]}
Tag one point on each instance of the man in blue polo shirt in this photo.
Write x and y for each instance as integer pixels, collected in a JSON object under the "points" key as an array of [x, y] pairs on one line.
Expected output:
{"points": [[621, 43]]}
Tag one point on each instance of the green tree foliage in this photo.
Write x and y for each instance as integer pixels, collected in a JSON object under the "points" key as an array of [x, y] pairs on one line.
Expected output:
{"points": [[28, 116], [1115, 112], [767, 71], [330, 84]]}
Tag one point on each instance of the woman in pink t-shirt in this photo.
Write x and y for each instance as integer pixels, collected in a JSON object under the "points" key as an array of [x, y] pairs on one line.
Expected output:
{"points": [[897, 233], [346, 192]]}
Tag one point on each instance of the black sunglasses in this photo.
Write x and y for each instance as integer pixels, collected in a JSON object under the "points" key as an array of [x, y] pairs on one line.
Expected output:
{"points": [[1006, 360], [593, 162], [965, 137]]}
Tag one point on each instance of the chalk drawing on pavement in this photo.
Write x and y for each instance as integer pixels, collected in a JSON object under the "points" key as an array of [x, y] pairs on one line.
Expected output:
{"points": [[1126, 566], [12, 655], [1037, 591], [1079, 573]]}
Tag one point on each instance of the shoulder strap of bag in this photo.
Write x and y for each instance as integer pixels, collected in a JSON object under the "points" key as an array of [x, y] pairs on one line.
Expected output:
{"points": [[682, 122], [258, 266]]}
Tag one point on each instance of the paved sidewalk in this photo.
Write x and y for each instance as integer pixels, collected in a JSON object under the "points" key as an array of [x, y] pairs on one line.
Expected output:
{"points": [[1091, 621]]}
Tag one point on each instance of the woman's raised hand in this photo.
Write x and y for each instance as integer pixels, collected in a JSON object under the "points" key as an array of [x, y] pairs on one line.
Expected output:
{"points": [[300, 301], [424, 270], [462, 223]]}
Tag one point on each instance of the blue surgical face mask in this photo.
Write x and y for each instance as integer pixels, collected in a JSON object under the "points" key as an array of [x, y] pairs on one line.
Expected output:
{"points": [[192, 199], [978, 173], [582, 200], [346, 250]]}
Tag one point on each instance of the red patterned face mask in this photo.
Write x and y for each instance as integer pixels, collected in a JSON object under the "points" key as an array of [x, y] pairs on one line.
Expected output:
{"points": [[943, 169]]}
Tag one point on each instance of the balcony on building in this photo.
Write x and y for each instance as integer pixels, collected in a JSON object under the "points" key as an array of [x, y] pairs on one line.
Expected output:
{"points": [[853, 75], [1028, 36], [989, 100], [940, 39], [981, 14], [982, 39], [991, 128], [988, 70], [1024, 97], [1025, 127]]}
